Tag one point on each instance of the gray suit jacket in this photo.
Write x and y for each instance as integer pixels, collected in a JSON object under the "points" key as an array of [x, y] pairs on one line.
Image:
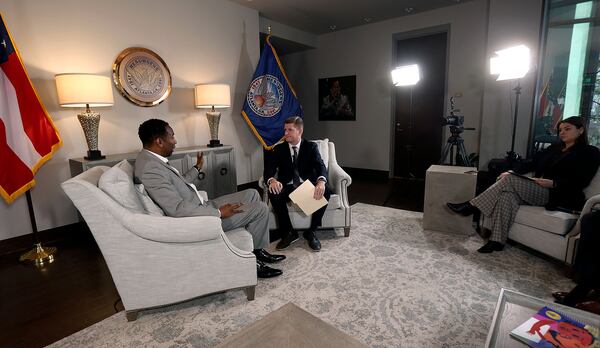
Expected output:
{"points": [[169, 189]]}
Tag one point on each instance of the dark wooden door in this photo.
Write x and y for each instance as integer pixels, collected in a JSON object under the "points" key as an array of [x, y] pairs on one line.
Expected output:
{"points": [[418, 124]]}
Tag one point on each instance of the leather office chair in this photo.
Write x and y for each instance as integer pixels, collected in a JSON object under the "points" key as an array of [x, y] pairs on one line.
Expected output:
{"points": [[338, 213]]}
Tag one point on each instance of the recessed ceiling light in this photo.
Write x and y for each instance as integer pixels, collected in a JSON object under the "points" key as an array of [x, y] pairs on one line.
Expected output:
{"points": [[332, 27], [409, 9], [368, 19]]}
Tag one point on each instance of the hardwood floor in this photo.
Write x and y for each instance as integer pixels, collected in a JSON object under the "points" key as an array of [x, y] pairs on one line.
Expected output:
{"points": [[41, 306]]}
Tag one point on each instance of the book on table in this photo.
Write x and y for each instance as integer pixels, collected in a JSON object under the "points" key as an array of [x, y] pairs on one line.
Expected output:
{"points": [[303, 197], [549, 328]]}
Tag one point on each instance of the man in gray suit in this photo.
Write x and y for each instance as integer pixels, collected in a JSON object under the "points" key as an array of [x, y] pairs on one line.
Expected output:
{"points": [[177, 195]]}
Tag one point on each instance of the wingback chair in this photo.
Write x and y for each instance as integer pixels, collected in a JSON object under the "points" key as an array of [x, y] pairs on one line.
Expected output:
{"points": [[553, 233], [338, 213], [157, 260]]}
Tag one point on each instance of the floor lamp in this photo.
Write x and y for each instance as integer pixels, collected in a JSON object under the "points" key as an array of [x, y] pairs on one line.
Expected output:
{"points": [[512, 64], [407, 76]]}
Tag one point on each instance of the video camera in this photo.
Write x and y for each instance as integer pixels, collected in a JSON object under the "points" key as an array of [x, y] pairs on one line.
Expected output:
{"points": [[455, 121]]}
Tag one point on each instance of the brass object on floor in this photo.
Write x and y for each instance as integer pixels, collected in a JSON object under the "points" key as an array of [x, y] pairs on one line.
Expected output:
{"points": [[39, 256]]}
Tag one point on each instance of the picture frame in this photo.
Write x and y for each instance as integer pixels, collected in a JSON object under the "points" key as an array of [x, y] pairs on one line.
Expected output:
{"points": [[337, 98], [142, 77]]}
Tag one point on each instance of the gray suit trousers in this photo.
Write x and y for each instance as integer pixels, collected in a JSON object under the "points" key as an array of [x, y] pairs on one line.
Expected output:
{"points": [[255, 215]]}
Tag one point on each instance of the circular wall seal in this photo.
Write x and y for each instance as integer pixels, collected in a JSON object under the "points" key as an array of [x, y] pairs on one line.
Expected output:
{"points": [[142, 76], [265, 95]]}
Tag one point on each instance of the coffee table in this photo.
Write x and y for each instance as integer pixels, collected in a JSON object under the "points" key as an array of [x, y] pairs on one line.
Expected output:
{"points": [[514, 308], [290, 326]]}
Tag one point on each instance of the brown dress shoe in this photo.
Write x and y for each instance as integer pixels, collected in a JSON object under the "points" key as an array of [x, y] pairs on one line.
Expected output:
{"points": [[589, 306]]}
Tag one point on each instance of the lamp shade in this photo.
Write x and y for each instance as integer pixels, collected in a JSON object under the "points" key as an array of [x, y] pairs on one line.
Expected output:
{"points": [[407, 75], [208, 96], [77, 90], [510, 63]]}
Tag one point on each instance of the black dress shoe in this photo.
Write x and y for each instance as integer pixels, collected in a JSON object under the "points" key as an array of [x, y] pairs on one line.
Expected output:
{"points": [[288, 239], [312, 240], [464, 209], [490, 247], [264, 256], [559, 296], [264, 271]]}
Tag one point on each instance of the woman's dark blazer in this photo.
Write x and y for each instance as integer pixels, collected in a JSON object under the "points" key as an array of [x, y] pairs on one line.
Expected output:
{"points": [[571, 172]]}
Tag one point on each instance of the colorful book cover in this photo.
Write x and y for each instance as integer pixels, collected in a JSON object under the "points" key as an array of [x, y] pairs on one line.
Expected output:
{"points": [[551, 329]]}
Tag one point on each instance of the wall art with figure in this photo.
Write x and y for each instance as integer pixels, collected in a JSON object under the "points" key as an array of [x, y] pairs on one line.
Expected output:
{"points": [[337, 98]]}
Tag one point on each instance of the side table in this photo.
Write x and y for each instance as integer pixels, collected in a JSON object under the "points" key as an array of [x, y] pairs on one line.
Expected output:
{"points": [[448, 184], [513, 309]]}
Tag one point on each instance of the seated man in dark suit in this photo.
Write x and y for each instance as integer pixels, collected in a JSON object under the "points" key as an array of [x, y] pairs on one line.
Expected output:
{"points": [[177, 195], [295, 161], [586, 267]]}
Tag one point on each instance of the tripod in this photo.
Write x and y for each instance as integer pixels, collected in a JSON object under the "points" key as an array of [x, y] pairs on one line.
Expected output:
{"points": [[455, 141]]}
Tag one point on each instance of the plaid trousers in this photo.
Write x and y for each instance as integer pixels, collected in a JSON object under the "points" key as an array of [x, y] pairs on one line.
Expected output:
{"points": [[501, 202]]}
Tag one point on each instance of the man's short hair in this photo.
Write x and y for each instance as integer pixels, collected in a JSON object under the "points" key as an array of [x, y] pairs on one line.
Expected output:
{"points": [[296, 121], [151, 130]]}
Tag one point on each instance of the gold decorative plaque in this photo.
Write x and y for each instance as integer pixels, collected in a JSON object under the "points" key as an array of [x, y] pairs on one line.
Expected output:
{"points": [[142, 76]]}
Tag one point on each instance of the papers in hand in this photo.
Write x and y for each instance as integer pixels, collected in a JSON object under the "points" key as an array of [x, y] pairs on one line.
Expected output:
{"points": [[303, 197], [521, 175]]}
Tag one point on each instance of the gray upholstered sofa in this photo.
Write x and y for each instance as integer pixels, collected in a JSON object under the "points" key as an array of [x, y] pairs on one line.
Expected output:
{"points": [[553, 233], [338, 213], [156, 260]]}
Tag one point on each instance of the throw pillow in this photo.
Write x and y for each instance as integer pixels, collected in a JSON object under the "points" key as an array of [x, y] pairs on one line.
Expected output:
{"points": [[149, 205], [117, 182]]}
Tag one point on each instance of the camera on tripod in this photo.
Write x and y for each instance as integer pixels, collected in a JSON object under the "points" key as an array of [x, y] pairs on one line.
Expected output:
{"points": [[456, 123]]}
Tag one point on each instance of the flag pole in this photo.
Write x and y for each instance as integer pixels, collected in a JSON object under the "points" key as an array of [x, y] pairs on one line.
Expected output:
{"points": [[38, 255]]}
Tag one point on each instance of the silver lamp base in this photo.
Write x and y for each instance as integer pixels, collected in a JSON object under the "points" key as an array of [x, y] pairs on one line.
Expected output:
{"points": [[90, 122], [213, 118]]}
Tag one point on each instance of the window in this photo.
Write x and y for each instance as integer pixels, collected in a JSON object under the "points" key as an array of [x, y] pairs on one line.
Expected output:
{"points": [[569, 80]]}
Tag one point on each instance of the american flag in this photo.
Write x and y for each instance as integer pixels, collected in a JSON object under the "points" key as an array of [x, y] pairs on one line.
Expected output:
{"points": [[28, 138]]}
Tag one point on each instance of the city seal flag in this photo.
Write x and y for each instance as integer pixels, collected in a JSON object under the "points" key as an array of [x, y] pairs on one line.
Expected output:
{"points": [[270, 99], [28, 137]]}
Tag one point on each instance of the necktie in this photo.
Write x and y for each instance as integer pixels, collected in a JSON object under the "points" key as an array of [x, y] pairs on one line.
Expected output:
{"points": [[296, 179]]}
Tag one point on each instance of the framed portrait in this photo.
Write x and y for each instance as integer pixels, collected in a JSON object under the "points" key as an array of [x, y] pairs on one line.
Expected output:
{"points": [[337, 98], [141, 76]]}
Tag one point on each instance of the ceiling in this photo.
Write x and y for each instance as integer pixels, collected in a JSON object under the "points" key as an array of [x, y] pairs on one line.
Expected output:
{"points": [[323, 16]]}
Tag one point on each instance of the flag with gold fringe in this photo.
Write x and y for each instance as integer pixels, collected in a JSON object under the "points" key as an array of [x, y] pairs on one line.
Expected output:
{"points": [[270, 99], [28, 138]]}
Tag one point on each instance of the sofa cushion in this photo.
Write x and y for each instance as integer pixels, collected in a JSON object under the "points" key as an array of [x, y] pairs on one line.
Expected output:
{"points": [[117, 182], [323, 146], [594, 186], [149, 205], [556, 222], [334, 203]]}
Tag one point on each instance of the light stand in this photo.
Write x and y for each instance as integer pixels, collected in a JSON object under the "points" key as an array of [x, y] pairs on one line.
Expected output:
{"points": [[407, 75], [511, 155], [510, 64]]}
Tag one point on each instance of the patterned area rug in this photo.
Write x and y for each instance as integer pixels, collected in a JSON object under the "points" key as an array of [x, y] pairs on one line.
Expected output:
{"points": [[389, 284]]}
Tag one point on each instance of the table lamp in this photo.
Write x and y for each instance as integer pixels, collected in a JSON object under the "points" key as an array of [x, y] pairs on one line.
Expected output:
{"points": [[85, 90], [214, 97]]}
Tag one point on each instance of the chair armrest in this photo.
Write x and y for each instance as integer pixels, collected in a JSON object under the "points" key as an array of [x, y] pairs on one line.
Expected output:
{"points": [[265, 189], [591, 204], [339, 180], [173, 230]]}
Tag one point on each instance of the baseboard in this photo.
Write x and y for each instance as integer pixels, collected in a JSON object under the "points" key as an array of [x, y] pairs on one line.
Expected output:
{"points": [[367, 174], [50, 236]]}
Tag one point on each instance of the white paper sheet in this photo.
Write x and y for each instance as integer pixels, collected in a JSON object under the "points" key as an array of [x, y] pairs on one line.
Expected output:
{"points": [[303, 197]]}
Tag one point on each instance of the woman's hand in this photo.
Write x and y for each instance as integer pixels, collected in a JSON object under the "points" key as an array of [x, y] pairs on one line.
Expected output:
{"points": [[502, 175], [547, 183]]}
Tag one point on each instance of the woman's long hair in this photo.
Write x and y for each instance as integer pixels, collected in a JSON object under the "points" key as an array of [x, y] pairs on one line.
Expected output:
{"points": [[579, 123]]}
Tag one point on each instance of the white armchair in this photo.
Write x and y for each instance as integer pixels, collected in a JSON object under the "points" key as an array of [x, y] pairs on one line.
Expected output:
{"points": [[338, 213], [157, 260], [553, 233]]}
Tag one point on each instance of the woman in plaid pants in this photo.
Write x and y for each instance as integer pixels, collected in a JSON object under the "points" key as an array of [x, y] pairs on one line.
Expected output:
{"points": [[562, 171]]}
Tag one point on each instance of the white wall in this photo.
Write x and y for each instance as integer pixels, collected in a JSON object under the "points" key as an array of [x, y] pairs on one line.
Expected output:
{"points": [[202, 41], [366, 52], [511, 22]]}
